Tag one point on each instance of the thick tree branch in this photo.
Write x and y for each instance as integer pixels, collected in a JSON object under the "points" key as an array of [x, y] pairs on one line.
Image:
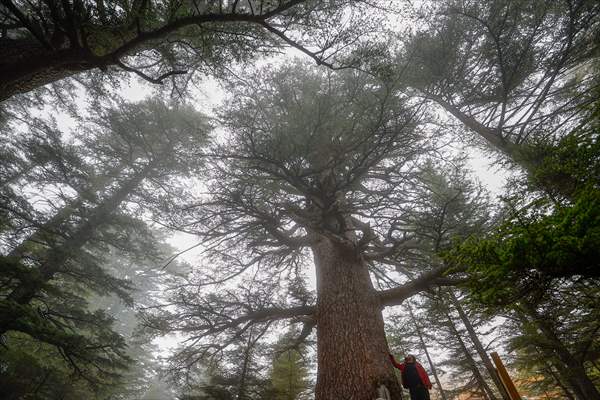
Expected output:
{"points": [[395, 296], [225, 323], [380, 252], [40, 68], [175, 25], [285, 239], [26, 22], [265, 314], [492, 136]]}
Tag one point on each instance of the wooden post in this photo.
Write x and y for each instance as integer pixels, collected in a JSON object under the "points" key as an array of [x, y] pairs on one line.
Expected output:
{"points": [[505, 378]]}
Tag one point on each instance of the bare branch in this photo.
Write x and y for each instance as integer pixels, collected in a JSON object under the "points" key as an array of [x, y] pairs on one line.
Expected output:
{"points": [[159, 80]]}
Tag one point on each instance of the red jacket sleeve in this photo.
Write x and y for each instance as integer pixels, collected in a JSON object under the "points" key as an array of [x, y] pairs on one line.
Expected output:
{"points": [[423, 376], [396, 363]]}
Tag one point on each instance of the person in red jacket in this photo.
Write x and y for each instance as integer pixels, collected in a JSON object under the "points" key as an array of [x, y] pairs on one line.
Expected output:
{"points": [[414, 377]]}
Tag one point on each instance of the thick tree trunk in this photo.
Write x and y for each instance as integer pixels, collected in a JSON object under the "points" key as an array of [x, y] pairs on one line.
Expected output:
{"points": [[25, 64], [487, 362], [572, 370], [480, 380], [351, 346], [424, 346]]}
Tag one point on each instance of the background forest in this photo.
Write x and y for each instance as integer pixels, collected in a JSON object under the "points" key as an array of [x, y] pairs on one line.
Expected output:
{"points": [[259, 200]]}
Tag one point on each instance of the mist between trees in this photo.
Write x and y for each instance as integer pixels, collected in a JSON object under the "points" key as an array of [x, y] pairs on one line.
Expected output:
{"points": [[331, 210]]}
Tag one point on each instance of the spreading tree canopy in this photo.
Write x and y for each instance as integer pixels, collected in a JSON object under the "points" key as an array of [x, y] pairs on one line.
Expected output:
{"points": [[316, 166], [514, 72], [337, 180]]}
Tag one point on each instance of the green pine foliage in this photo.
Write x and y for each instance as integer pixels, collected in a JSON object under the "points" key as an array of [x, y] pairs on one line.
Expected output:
{"points": [[86, 249], [539, 267], [36, 370], [289, 373], [356, 155], [555, 235]]}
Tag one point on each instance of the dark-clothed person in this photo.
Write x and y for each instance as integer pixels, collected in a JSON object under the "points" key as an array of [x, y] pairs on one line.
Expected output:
{"points": [[414, 377]]}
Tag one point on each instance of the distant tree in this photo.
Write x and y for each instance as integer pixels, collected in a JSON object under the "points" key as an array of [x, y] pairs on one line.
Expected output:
{"points": [[418, 329], [54, 261], [447, 207], [536, 376], [289, 373], [146, 275], [557, 337], [158, 390], [239, 374], [513, 72], [32, 368], [466, 358]]}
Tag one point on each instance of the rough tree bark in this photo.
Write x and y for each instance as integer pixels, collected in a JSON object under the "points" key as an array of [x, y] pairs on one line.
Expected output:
{"points": [[26, 64], [352, 349]]}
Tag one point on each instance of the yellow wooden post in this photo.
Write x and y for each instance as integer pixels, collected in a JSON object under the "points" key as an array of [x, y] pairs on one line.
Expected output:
{"points": [[505, 378]]}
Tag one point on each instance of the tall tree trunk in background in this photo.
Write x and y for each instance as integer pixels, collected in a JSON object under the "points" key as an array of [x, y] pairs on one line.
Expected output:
{"points": [[53, 226], [559, 383], [424, 346], [487, 362], [482, 383], [290, 381], [57, 256], [241, 391], [555, 367], [492, 136], [47, 229], [514, 151], [352, 349], [572, 370]]}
